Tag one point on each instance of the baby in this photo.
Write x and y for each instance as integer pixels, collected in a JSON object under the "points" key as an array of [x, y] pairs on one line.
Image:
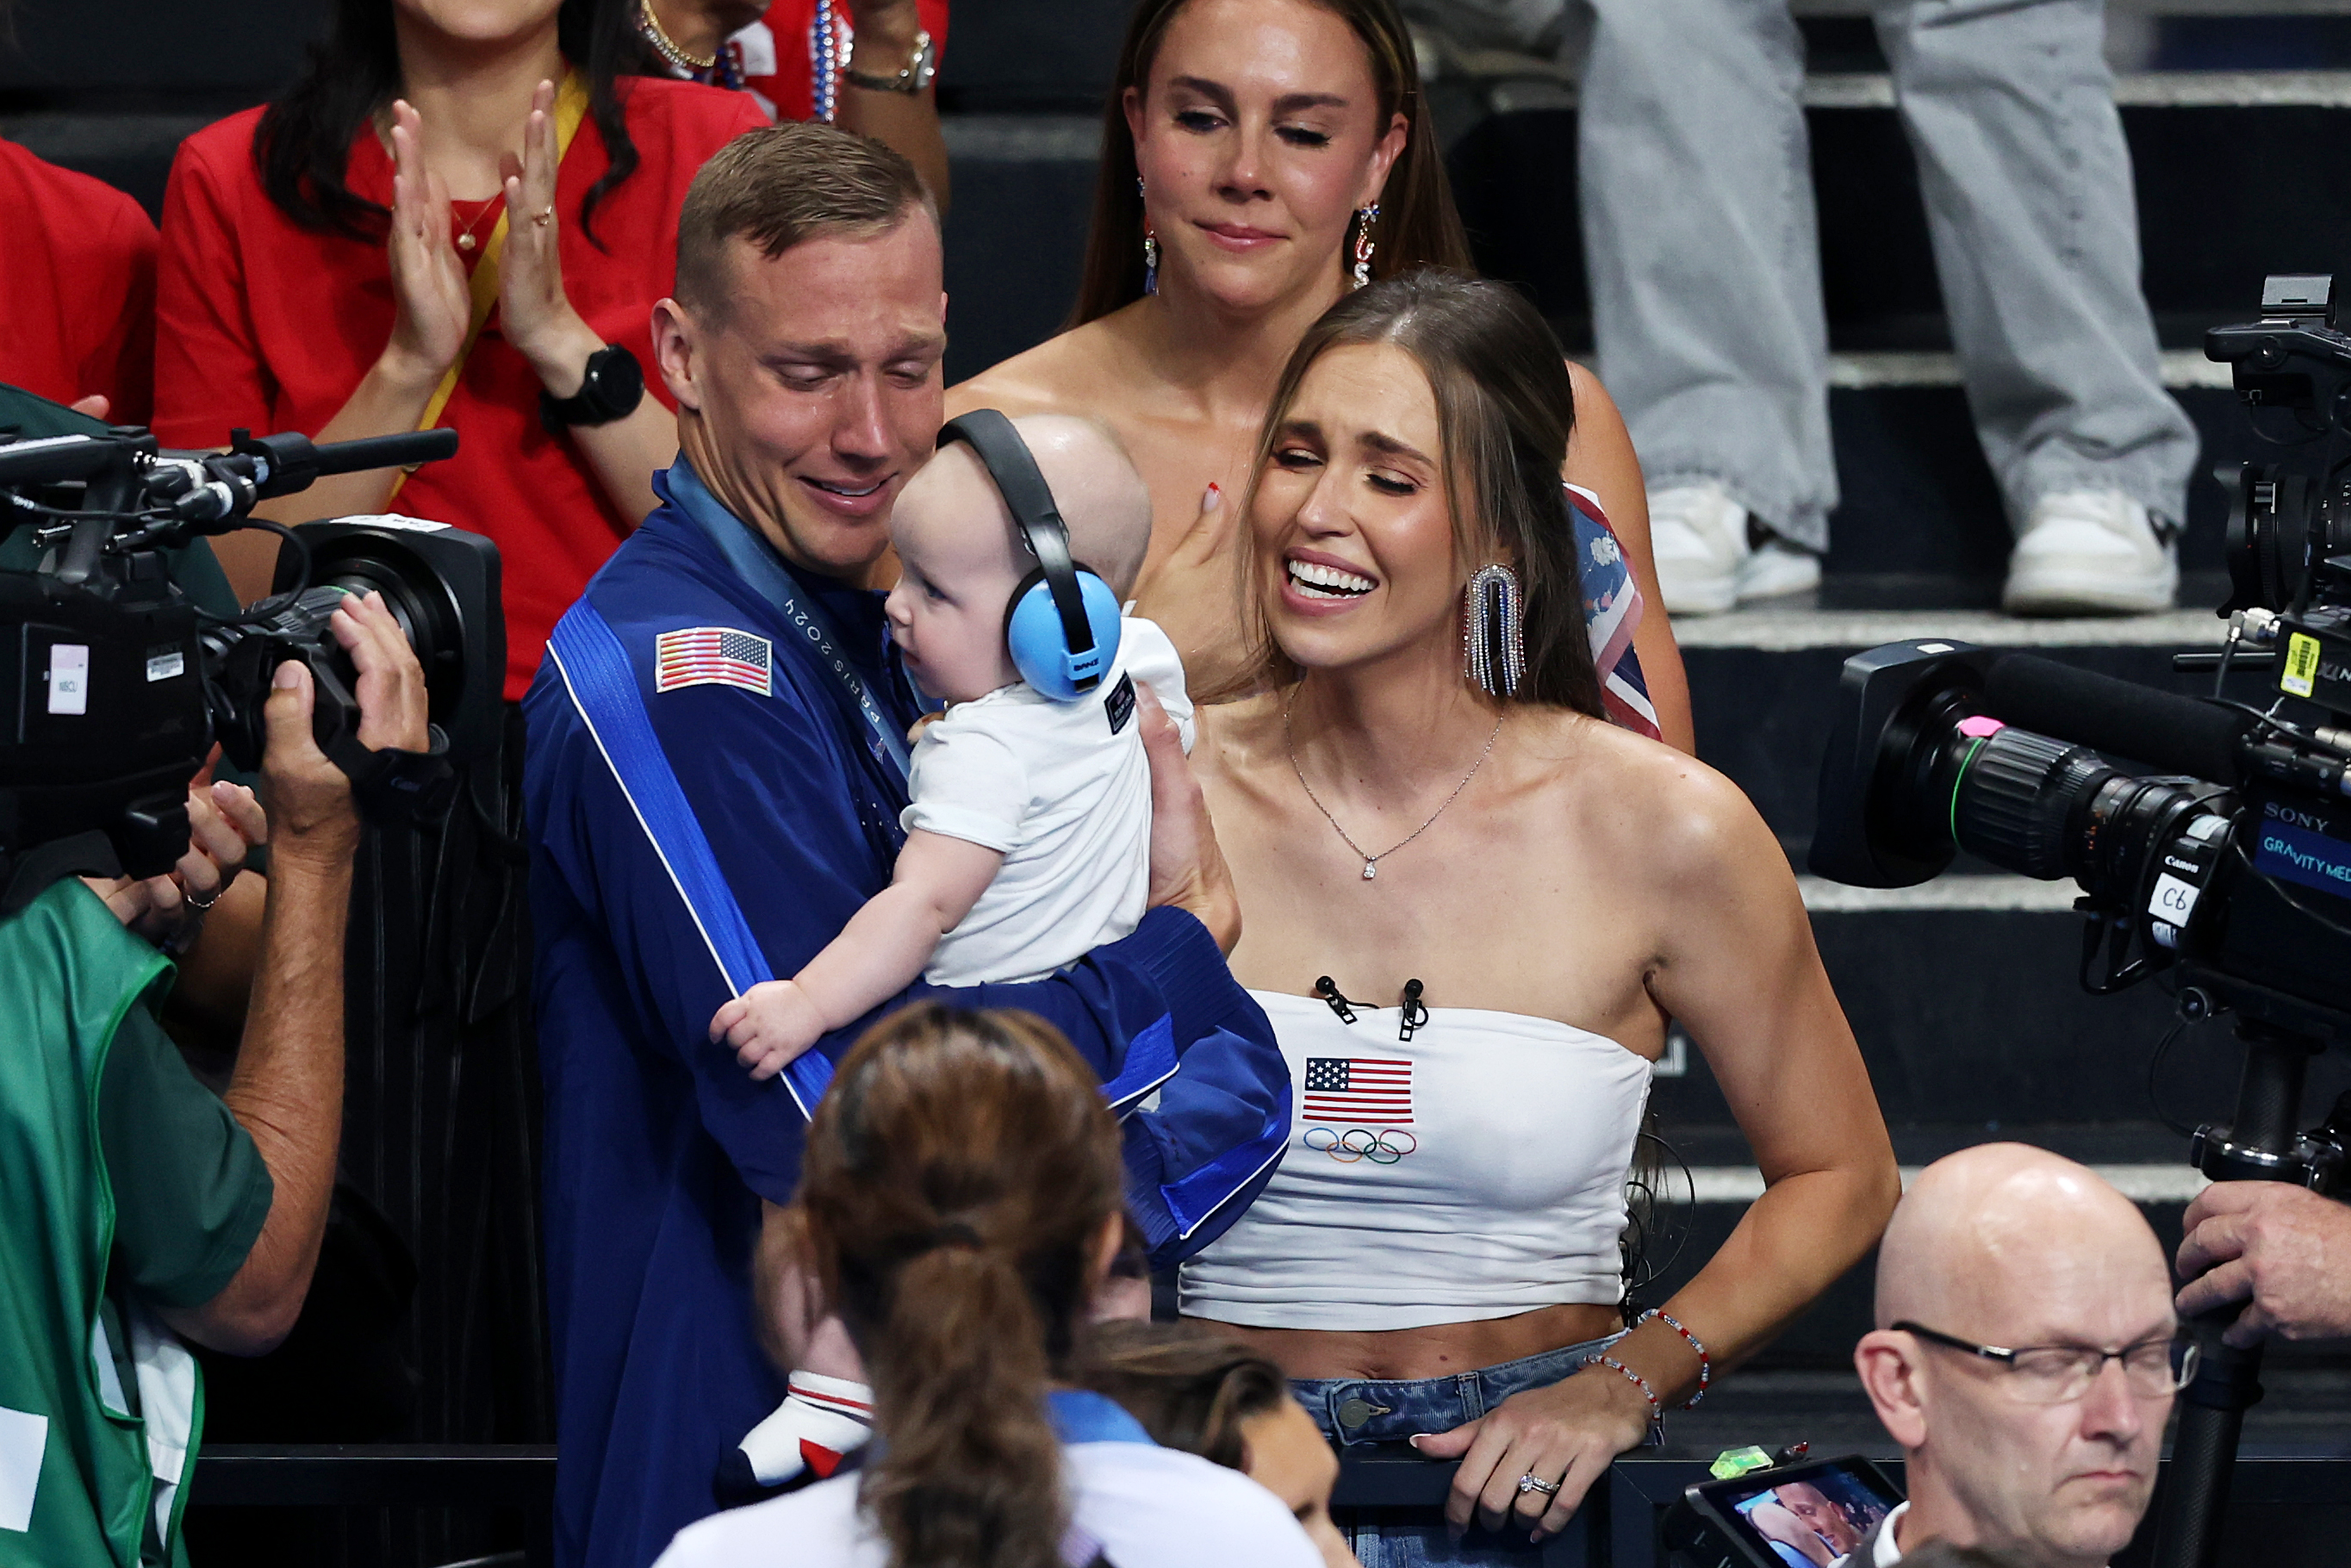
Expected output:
{"points": [[1028, 841]]}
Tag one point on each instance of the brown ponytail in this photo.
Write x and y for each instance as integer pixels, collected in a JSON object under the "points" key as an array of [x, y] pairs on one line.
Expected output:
{"points": [[959, 1177]]}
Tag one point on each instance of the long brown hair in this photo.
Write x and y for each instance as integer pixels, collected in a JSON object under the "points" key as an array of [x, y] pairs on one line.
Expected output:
{"points": [[957, 1176], [1417, 225], [1192, 1387], [1506, 407]]}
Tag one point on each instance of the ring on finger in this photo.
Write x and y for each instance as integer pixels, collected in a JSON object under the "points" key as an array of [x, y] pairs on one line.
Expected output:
{"points": [[1532, 1482], [202, 905], [543, 217]]}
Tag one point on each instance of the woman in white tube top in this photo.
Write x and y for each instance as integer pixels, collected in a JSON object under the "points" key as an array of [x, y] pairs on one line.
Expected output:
{"points": [[1437, 1255]]}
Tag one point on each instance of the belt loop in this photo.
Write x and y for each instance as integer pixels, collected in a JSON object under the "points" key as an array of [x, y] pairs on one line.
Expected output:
{"points": [[1471, 1388]]}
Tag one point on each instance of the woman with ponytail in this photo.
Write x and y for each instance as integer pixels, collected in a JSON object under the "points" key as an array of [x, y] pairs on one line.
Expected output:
{"points": [[960, 1203]]}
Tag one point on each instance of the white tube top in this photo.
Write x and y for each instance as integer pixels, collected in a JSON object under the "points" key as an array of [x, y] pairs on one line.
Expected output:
{"points": [[1474, 1171]]}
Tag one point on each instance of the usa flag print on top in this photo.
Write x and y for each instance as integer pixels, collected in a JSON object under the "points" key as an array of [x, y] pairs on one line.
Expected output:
{"points": [[713, 656], [1358, 1089]]}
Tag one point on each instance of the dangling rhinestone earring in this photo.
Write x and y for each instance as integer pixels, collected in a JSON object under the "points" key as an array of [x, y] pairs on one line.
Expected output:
{"points": [[1364, 218], [1150, 247], [1493, 632]]}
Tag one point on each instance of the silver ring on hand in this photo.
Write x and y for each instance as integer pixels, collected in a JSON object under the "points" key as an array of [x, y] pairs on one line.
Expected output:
{"points": [[1528, 1483], [201, 904]]}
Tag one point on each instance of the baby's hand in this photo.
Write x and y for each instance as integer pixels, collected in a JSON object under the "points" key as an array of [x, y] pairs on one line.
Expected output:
{"points": [[768, 1024], [914, 730]]}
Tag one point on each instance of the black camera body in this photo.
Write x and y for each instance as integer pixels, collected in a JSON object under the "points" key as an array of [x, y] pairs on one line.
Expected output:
{"points": [[2236, 868], [2230, 866], [115, 685], [2233, 860]]}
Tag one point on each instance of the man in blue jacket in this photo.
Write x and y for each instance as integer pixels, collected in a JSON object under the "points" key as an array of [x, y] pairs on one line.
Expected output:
{"points": [[717, 763]]}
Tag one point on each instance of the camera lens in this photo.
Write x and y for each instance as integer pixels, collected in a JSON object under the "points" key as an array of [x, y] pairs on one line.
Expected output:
{"points": [[2049, 809], [2278, 523]]}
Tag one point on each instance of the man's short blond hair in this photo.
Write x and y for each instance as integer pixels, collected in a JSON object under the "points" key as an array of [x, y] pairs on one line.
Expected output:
{"points": [[781, 185]]}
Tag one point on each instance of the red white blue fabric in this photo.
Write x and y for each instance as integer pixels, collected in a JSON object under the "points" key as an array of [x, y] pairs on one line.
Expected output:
{"points": [[1612, 612]]}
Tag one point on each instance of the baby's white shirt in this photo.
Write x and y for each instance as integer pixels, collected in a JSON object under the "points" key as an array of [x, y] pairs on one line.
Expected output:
{"points": [[1064, 790]]}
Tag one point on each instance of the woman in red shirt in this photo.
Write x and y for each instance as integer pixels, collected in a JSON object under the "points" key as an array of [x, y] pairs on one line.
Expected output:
{"points": [[77, 289], [323, 256]]}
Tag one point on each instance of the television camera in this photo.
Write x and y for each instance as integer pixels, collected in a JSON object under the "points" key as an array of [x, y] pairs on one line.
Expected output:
{"points": [[2229, 869], [118, 684]]}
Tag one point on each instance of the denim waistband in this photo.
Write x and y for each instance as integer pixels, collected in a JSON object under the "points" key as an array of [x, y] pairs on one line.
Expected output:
{"points": [[1363, 1410]]}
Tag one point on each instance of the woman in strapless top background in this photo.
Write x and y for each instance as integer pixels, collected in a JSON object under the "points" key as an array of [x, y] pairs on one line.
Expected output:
{"points": [[1262, 146], [1561, 888]]}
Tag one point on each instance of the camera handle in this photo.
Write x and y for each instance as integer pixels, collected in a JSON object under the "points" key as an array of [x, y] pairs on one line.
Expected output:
{"points": [[2261, 1144]]}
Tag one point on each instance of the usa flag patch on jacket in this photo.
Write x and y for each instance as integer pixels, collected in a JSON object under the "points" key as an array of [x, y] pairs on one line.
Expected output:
{"points": [[713, 656]]}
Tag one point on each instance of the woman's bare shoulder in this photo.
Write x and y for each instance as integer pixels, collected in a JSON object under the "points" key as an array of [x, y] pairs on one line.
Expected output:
{"points": [[1071, 372], [1682, 812]]}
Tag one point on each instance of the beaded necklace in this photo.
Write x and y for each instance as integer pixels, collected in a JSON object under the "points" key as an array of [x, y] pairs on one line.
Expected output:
{"points": [[824, 53]]}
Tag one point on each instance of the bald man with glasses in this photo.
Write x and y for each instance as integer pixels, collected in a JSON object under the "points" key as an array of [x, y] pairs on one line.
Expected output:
{"points": [[2025, 1358]]}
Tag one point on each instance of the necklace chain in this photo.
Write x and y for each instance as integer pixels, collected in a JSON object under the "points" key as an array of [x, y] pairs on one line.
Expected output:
{"points": [[1371, 860], [669, 48]]}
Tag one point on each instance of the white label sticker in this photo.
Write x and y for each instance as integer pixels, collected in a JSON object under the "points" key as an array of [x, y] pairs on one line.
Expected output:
{"points": [[69, 677], [23, 1437], [163, 666], [395, 520], [2174, 900]]}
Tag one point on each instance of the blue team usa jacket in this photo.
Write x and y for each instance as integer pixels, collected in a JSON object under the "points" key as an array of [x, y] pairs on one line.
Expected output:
{"points": [[708, 804]]}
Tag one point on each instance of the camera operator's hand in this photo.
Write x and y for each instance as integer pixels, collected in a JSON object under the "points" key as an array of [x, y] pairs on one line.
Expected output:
{"points": [[393, 702], [1188, 867], [314, 823], [225, 822], [2284, 1249]]}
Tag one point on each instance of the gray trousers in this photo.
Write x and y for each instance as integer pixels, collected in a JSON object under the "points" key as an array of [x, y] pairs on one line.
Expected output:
{"points": [[1705, 282]]}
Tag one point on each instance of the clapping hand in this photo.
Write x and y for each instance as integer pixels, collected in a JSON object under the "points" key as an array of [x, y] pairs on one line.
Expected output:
{"points": [[534, 312], [435, 305]]}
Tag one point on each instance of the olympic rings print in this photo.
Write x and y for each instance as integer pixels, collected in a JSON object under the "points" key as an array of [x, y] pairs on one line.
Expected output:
{"points": [[1361, 1143]]}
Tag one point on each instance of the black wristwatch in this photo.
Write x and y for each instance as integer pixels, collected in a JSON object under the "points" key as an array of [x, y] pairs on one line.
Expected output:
{"points": [[610, 389]]}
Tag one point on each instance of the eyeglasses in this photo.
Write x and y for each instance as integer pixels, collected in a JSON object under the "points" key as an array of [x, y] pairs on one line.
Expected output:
{"points": [[2060, 1373]]}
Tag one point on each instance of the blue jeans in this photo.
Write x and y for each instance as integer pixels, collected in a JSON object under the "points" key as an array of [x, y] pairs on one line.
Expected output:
{"points": [[1354, 1411]]}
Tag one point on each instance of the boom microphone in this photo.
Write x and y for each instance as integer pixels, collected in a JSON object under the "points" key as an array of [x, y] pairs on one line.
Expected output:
{"points": [[2176, 734]]}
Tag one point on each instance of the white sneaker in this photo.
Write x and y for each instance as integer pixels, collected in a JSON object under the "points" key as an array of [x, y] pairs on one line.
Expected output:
{"points": [[1776, 568], [1698, 537], [2091, 552]]}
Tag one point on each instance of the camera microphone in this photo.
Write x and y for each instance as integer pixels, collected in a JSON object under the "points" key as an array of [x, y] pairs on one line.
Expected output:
{"points": [[2176, 734]]}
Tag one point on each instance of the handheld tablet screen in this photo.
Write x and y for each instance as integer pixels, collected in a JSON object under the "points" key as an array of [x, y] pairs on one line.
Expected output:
{"points": [[1814, 1518]]}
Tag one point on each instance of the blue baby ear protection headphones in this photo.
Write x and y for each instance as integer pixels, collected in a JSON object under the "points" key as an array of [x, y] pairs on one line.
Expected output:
{"points": [[1061, 627]]}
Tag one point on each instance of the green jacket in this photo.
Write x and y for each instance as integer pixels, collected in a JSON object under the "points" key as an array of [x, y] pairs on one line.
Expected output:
{"points": [[89, 1469]]}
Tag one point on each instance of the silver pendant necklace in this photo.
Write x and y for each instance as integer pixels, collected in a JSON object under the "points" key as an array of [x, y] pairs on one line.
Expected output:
{"points": [[1371, 862]]}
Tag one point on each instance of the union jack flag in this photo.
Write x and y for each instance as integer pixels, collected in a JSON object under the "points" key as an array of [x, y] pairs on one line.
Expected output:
{"points": [[1358, 1089], [1611, 613], [713, 655]]}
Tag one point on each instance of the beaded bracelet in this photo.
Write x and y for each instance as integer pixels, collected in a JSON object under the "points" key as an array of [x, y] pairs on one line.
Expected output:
{"points": [[1656, 1409], [1705, 1361]]}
